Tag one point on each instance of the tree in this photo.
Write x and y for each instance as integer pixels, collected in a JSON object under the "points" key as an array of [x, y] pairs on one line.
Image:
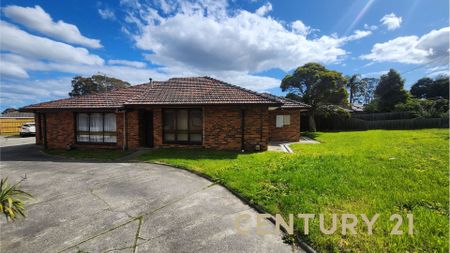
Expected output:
{"points": [[440, 88], [370, 84], [421, 87], [355, 87], [8, 110], [316, 86], [94, 84], [390, 91], [429, 88]]}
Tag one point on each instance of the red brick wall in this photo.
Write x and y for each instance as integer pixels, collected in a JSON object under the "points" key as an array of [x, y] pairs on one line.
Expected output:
{"points": [[60, 129], [134, 127], [157, 128], [38, 128], [222, 129], [286, 133], [256, 128]]}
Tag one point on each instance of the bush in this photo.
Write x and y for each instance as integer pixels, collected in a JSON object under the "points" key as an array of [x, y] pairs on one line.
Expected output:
{"points": [[11, 199], [425, 108]]}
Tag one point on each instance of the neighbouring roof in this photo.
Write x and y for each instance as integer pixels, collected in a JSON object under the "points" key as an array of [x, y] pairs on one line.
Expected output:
{"points": [[175, 91], [287, 103], [17, 114]]}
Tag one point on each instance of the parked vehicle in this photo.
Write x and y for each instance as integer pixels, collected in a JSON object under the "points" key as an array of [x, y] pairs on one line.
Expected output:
{"points": [[28, 129]]}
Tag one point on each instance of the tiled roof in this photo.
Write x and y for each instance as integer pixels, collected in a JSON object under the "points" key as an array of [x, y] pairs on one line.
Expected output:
{"points": [[286, 102], [198, 90], [17, 114], [175, 91]]}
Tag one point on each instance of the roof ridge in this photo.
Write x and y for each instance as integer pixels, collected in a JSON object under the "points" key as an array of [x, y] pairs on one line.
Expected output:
{"points": [[239, 87], [285, 99]]}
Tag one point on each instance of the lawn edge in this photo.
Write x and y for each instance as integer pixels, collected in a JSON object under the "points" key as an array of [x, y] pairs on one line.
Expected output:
{"points": [[298, 241]]}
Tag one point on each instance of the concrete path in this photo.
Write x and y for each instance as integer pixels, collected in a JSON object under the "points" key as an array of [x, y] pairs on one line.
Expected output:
{"points": [[284, 146], [123, 207]]}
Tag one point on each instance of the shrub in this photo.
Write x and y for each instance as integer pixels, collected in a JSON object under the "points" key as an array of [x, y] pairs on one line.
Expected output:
{"points": [[11, 199]]}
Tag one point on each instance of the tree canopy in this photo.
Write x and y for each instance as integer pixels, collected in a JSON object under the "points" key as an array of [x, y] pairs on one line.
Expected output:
{"points": [[429, 88], [94, 84], [316, 86], [390, 91]]}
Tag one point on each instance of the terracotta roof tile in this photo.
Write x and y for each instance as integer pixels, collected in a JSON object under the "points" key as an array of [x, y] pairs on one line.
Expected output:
{"points": [[175, 91], [286, 102]]}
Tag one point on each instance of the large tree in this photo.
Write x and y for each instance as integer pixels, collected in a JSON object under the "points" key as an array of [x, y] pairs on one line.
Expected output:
{"points": [[316, 86], [429, 88], [355, 86], [94, 84], [370, 84], [390, 91]]}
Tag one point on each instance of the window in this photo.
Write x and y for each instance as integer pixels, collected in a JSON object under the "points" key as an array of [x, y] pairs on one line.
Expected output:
{"points": [[183, 126], [96, 127], [283, 120]]}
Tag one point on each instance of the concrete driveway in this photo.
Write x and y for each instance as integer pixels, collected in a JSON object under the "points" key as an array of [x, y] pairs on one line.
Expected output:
{"points": [[122, 207]]}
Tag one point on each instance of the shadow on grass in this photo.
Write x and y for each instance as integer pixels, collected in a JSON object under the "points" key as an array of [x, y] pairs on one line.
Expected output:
{"points": [[312, 135], [188, 154]]}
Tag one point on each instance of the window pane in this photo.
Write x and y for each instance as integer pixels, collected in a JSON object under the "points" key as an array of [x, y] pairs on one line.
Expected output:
{"points": [[195, 120], [96, 127], [279, 121], [286, 120], [182, 137], [169, 137], [196, 137], [182, 120], [110, 122], [82, 122], [169, 120], [82, 127]]}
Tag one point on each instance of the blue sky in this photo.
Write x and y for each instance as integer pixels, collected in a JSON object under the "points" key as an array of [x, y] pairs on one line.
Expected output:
{"points": [[250, 43]]}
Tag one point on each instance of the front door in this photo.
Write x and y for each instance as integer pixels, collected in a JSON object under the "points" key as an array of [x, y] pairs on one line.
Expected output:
{"points": [[148, 128]]}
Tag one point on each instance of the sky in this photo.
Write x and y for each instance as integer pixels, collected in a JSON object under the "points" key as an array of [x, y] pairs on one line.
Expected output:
{"points": [[251, 43]]}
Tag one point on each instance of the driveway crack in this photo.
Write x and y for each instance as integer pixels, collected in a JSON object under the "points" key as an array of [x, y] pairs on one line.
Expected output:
{"points": [[132, 219], [110, 208]]}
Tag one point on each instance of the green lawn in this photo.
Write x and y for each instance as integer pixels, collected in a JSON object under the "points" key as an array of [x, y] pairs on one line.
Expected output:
{"points": [[102, 154], [367, 172]]}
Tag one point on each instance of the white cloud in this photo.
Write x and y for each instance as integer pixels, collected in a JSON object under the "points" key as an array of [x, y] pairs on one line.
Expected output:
{"points": [[432, 47], [137, 64], [17, 93], [263, 10], [376, 74], [200, 40], [391, 21], [12, 70], [438, 71], [107, 13], [37, 19], [299, 27], [15, 40], [131, 74], [370, 27]]}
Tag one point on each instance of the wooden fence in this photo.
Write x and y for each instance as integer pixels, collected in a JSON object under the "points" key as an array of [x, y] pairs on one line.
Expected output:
{"points": [[11, 126]]}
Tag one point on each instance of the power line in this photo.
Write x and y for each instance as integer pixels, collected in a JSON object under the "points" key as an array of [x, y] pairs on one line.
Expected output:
{"points": [[423, 65]]}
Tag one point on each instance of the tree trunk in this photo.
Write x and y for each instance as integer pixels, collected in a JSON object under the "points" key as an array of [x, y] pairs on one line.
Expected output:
{"points": [[312, 122], [351, 98]]}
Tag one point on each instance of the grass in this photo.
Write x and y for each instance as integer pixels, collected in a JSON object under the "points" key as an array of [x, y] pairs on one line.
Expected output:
{"points": [[367, 172], [101, 154]]}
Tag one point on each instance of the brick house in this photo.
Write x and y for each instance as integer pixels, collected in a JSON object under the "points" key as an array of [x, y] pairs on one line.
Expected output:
{"points": [[180, 112]]}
